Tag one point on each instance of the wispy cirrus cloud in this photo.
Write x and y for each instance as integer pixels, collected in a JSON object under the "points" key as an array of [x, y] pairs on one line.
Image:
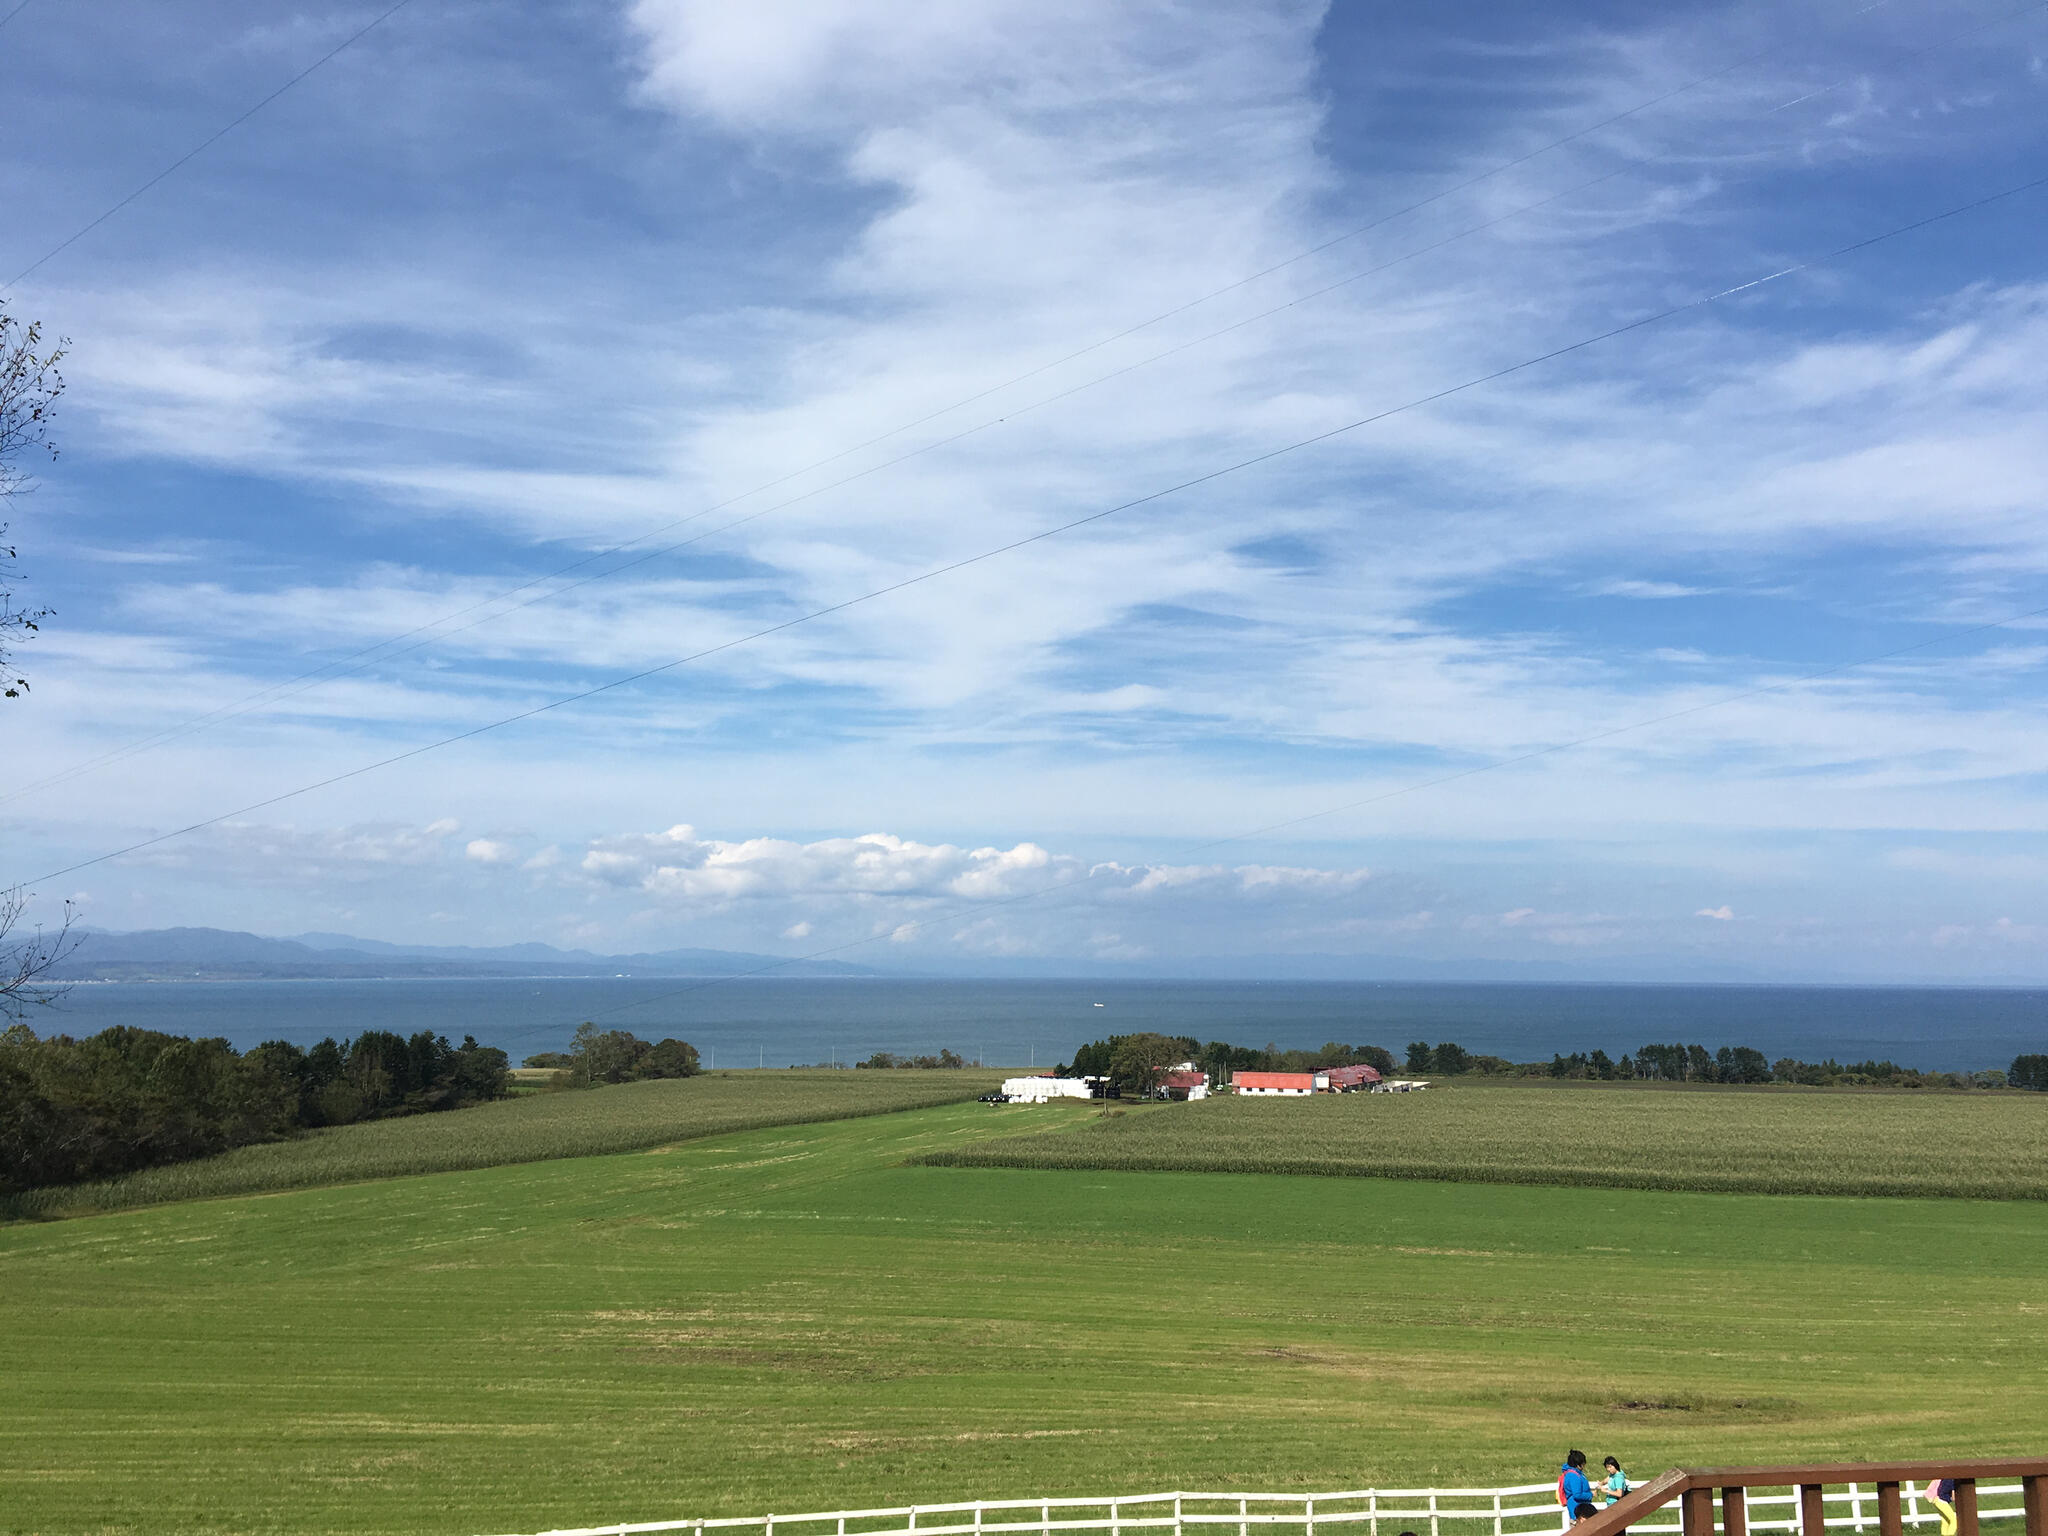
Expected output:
{"points": [[772, 239]]}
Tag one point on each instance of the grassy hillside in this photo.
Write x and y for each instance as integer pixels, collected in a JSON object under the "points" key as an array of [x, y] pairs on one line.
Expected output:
{"points": [[624, 1117], [791, 1319], [1629, 1136]]}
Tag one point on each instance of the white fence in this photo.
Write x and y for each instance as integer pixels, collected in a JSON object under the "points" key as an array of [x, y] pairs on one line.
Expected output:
{"points": [[1523, 1511]]}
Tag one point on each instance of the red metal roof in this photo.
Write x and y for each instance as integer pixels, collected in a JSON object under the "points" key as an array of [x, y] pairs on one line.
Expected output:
{"points": [[1346, 1076], [1183, 1079], [1305, 1080]]}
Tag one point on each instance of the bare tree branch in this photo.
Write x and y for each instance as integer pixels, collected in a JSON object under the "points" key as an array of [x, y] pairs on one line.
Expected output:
{"points": [[29, 387], [28, 959]]}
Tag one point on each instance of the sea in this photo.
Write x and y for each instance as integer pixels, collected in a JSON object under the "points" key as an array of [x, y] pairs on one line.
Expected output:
{"points": [[779, 1022]]}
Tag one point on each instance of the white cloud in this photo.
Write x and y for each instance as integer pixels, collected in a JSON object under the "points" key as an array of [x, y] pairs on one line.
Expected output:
{"points": [[287, 855], [830, 63], [1720, 914], [984, 187], [678, 866], [1634, 587]]}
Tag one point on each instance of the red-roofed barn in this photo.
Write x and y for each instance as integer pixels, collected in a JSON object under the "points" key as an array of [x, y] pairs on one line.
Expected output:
{"points": [[1274, 1082]]}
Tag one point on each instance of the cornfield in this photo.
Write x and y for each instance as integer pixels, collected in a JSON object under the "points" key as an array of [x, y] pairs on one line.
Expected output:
{"points": [[1822, 1143], [627, 1117]]}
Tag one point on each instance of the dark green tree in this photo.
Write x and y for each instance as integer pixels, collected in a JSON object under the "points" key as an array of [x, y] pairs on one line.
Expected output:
{"points": [[1138, 1062], [1420, 1057], [671, 1058], [1741, 1064], [1092, 1059], [1219, 1059], [604, 1055], [1666, 1062], [378, 1070], [2030, 1071]]}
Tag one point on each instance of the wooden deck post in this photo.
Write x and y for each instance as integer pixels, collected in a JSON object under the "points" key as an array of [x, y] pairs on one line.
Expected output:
{"points": [[1696, 1513], [1966, 1506], [1735, 1511], [2033, 1497], [1890, 1519], [1813, 1518]]}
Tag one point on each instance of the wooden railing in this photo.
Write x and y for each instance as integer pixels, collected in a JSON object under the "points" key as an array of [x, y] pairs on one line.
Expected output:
{"points": [[1696, 1490], [1816, 1501]]}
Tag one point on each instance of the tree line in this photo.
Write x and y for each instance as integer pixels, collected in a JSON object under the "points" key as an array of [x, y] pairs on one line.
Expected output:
{"points": [[1134, 1064], [617, 1056], [889, 1060], [1743, 1064], [74, 1110]]}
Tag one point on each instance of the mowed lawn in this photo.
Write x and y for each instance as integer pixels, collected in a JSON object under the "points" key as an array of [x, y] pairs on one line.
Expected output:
{"points": [[792, 1319]]}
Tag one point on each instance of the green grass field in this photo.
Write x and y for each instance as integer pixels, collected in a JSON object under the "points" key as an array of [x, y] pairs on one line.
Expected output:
{"points": [[532, 1127], [793, 1319], [1992, 1146]]}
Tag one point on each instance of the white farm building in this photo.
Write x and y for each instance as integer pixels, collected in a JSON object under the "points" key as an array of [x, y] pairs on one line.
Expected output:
{"points": [[1036, 1090]]}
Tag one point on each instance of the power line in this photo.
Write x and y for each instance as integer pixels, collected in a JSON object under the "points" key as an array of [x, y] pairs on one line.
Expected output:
{"points": [[14, 13], [358, 660], [204, 144], [1010, 547], [1417, 786], [281, 692]]}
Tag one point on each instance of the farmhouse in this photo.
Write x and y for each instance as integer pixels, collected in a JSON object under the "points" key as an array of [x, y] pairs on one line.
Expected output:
{"points": [[1036, 1090], [1279, 1082], [1184, 1083]]}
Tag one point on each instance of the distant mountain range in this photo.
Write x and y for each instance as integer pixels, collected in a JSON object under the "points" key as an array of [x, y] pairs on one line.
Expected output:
{"points": [[216, 954]]}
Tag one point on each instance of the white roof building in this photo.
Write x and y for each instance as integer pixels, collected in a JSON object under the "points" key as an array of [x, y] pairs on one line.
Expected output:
{"points": [[1036, 1090]]}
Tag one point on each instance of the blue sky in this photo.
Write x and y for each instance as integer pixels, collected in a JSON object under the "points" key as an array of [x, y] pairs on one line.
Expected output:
{"points": [[844, 292]]}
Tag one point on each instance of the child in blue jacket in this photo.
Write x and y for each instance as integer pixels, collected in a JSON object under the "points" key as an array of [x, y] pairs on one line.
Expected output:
{"points": [[1574, 1491]]}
